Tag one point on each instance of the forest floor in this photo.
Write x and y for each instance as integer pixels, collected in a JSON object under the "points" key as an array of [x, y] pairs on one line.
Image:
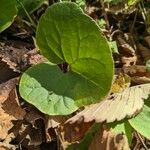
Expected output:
{"points": [[22, 126]]}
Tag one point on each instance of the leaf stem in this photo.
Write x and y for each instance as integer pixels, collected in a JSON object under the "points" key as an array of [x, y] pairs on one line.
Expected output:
{"points": [[31, 20], [142, 141], [105, 14]]}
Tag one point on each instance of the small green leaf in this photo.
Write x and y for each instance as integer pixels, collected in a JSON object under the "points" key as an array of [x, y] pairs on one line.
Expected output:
{"points": [[123, 127], [148, 65], [8, 12], [141, 123], [30, 6], [132, 2], [113, 46], [66, 35]]}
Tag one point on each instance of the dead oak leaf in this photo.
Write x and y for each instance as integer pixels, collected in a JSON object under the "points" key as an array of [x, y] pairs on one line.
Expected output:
{"points": [[9, 107], [116, 107]]}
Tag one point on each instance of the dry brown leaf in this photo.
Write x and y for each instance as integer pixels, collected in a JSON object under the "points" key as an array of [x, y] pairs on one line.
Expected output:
{"points": [[12, 53], [33, 115], [125, 46], [108, 140], [6, 72], [128, 61], [5, 145], [136, 70], [147, 39], [29, 135], [145, 52], [140, 80], [9, 107], [52, 122], [118, 106], [33, 57], [71, 133]]}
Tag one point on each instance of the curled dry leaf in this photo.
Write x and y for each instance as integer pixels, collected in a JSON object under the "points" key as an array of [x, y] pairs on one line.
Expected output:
{"points": [[9, 107], [118, 106], [108, 140]]}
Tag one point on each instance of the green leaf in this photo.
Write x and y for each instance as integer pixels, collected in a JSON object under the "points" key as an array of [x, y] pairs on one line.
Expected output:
{"points": [[141, 123], [148, 65], [132, 2], [122, 127], [113, 2], [113, 46], [30, 6], [54, 92], [77, 41], [86, 141], [66, 34], [8, 12]]}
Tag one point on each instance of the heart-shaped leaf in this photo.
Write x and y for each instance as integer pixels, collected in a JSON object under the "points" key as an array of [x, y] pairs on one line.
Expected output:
{"points": [[66, 35], [8, 11]]}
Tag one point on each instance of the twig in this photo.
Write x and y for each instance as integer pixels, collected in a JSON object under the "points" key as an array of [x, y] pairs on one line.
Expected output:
{"points": [[59, 139], [31, 20], [105, 13], [134, 21], [146, 148]]}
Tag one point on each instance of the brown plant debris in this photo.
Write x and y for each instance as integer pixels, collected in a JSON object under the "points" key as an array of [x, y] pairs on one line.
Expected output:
{"points": [[9, 107], [145, 52], [116, 107], [108, 140]]}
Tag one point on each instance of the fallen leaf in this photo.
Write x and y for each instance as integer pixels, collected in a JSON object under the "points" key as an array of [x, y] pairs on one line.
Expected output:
{"points": [[116, 107], [128, 61], [140, 80], [108, 140], [71, 133], [52, 122], [33, 57], [9, 108], [6, 71], [126, 48], [145, 52], [136, 70], [147, 39], [12, 54], [5, 145]]}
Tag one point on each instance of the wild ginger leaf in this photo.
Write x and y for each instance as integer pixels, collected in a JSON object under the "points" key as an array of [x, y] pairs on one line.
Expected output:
{"points": [[8, 12], [66, 35]]}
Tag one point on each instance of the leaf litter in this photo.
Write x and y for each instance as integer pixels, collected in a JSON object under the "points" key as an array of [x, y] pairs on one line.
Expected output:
{"points": [[30, 129]]}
